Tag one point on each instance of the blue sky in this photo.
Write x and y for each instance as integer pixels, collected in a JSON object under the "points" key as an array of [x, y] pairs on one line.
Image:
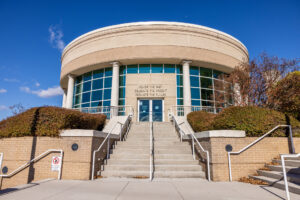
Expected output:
{"points": [[33, 33]]}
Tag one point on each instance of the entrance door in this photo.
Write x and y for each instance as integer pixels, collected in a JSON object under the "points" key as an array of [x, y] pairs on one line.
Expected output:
{"points": [[150, 110]]}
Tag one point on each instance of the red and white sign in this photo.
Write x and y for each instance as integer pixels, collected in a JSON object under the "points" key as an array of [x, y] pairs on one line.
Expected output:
{"points": [[56, 163]]}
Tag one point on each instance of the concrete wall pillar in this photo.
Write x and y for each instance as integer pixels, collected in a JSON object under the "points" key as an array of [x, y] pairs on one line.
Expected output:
{"points": [[115, 84], [186, 85], [70, 91], [64, 100]]}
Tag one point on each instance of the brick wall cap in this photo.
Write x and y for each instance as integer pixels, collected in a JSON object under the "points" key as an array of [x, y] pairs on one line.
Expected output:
{"points": [[85, 133], [221, 133]]}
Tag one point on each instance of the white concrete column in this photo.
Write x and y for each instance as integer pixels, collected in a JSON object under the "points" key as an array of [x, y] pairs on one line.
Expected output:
{"points": [[64, 101], [186, 86], [70, 91], [115, 84]]}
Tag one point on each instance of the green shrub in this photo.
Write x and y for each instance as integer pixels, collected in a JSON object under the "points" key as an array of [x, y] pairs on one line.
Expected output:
{"points": [[254, 121], [19, 125], [48, 121], [200, 120]]}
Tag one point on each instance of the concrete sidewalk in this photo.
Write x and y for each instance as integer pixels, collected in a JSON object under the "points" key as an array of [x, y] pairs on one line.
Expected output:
{"points": [[142, 189]]}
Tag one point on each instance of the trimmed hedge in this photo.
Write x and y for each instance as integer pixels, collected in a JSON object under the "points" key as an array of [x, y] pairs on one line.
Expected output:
{"points": [[255, 121], [48, 121], [201, 120]]}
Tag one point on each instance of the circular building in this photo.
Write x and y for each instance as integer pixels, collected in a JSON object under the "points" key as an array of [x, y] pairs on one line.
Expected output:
{"points": [[150, 67]]}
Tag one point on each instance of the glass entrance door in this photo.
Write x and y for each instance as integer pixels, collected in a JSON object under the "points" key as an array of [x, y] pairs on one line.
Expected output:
{"points": [[150, 110]]}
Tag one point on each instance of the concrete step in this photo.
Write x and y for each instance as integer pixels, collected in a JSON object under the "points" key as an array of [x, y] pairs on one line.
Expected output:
{"points": [[294, 178], [156, 145], [292, 163], [175, 162], [173, 151], [179, 174], [129, 156], [169, 139], [177, 167], [113, 167], [125, 174], [129, 161], [131, 151], [174, 156], [278, 168], [294, 188]]}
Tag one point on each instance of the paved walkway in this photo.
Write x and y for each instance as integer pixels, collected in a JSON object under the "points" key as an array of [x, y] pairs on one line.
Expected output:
{"points": [[141, 189]]}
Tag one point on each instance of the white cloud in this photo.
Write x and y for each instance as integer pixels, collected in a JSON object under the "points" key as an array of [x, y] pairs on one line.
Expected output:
{"points": [[2, 90], [37, 84], [50, 92], [55, 37], [11, 80], [2, 107]]}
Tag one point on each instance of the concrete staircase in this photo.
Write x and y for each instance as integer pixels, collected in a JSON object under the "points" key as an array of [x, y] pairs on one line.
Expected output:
{"points": [[172, 159], [274, 176]]}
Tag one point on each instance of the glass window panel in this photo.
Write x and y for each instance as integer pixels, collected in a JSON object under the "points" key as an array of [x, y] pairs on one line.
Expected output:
{"points": [[121, 92], [85, 105], [122, 70], [179, 92], [121, 102], [194, 81], [96, 104], [77, 99], [179, 80], [156, 68], [194, 70], [206, 94], [86, 97], [98, 73], [107, 82], [195, 93], [207, 103], [179, 69], [87, 86], [218, 85], [108, 71], [132, 69], [196, 103], [205, 72], [169, 68], [107, 94], [122, 80], [78, 79], [77, 106], [179, 102], [106, 103], [206, 82], [98, 84], [144, 68], [87, 76], [97, 95], [78, 89], [217, 74]]}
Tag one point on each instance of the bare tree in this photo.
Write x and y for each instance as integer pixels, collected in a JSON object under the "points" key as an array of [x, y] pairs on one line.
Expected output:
{"points": [[253, 81], [17, 108]]}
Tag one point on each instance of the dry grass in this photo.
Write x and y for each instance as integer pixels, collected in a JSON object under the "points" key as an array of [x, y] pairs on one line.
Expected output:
{"points": [[252, 181], [141, 177]]}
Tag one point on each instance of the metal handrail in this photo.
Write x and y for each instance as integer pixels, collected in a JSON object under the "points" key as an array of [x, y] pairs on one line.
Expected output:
{"points": [[31, 161], [99, 148], [284, 171], [151, 152], [256, 141], [193, 146]]}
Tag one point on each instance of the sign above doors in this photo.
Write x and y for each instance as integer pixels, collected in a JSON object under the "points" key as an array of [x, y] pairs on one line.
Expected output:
{"points": [[150, 90]]}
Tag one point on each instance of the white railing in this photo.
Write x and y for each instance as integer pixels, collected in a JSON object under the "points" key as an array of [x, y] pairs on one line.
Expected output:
{"points": [[185, 110], [31, 161], [107, 138], [151, 152], [108, 110], [181, 132], [283, 156], [256, 141]]}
